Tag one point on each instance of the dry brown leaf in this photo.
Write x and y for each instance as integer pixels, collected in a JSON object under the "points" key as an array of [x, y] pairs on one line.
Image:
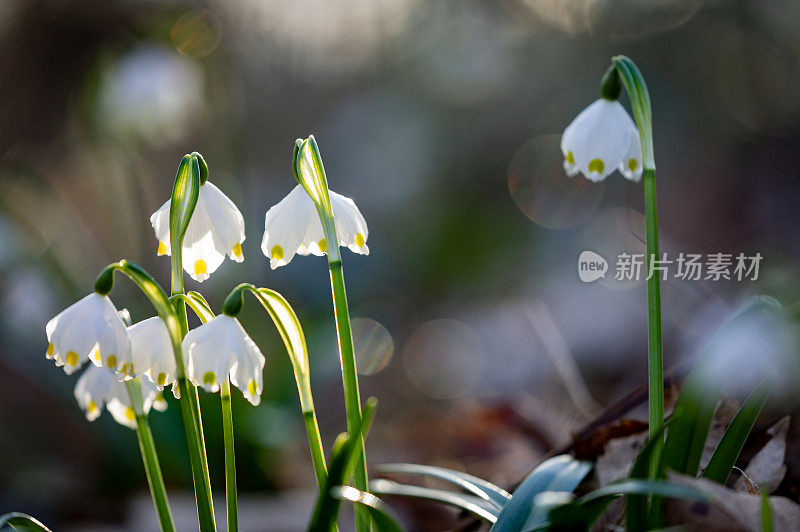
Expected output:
{"points": [[767, 468], [732, 510]]}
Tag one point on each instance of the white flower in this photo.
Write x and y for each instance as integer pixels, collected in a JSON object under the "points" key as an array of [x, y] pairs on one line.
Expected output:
{"points": [[151, 350], [220, 349], [99, 387], [600, 139], [293, 226], [216, 228], [89, 329]]}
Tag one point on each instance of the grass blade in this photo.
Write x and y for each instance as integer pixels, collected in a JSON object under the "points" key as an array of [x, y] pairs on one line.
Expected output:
{"points": [[726, 453], [382, 517], [342, 460], [23, 522], [478, 507], [477, 486], [636, 507]]}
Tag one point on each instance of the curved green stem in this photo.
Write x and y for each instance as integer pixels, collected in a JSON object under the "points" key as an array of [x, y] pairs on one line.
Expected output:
{"points": [[634, 84], [291, 332], [150, 458], [191, 420]]}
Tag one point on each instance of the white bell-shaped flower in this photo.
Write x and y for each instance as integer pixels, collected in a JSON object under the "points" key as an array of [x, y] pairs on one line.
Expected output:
{"points": [[151, 350], [220, 349], [602, 138], [99, 387], [292, 226], [89, 329], [216, 228]]}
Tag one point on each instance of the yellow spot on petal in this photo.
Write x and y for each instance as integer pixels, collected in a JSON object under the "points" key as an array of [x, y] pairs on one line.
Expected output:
{"points": [[124, 369], [359, 240], [209, 377], [111, 361], [162, 249], [237, 250], [50, 350], [277, 252], [251, 388], [72, 358], [323, 245], [96, 356], [91, 407], [596, 165], [159, 398], [570, 158], [633, 164], [130, 414], [162, 379], [200, 267]]}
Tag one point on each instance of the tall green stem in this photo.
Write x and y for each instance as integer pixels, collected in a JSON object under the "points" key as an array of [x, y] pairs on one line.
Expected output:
{"points": [[655, 370], [191, 426], [230, 458], [352, 398], [315, 444], [148, 449]]}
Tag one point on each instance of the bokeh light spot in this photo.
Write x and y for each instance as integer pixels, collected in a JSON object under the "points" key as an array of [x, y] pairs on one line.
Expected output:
{"points": [[373, 345], [197, 33], [542, 190]]}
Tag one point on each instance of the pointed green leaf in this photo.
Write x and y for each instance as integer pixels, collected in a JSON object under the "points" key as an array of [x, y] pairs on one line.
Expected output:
{"points": [[477, 486], [477, 506], [22, 522], [561, 473], [726, 453]]}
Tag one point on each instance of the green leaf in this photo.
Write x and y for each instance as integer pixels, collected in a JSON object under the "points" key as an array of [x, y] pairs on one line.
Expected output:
{"points": [[477, 486], [477, 506], [701, 392], [726, 453], [21, 521], [637, 507], [382, 517], [583, 512], [342, 460], [561, 473]]}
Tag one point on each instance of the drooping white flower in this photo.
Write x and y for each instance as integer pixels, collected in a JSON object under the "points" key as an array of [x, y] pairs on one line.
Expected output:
{"points": [[220, 349], [602, 138], [151, 351], [292, 226], [216, 228], [89, 329], [98, 387]]}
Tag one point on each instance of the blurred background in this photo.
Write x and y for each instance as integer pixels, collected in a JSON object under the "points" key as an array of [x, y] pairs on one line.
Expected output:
{"points": [[442, 121]]}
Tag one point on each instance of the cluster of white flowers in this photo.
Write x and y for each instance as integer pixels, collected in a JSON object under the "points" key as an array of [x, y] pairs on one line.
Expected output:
{"points": [[92, 329]]}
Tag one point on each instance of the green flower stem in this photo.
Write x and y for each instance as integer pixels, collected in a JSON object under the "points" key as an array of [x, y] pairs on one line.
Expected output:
{"points": [[349, 379], [230, 458], [634, 84], [150, 458], [191, 427], [203, 311], [291, 332]]}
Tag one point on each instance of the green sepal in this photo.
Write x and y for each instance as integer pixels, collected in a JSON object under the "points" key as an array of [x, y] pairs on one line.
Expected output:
{"points": [[610, 86], [201, 162], [185, 192]]}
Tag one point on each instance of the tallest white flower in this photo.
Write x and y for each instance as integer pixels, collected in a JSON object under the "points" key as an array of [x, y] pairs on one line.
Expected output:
{"points": [[216, 228], [601, 139]]}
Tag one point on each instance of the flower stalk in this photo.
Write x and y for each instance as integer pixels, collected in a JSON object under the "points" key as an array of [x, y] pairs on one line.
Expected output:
{"points": [[192, 429], [310, 173], [148, 449], [291, 332], [624, 70]]}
